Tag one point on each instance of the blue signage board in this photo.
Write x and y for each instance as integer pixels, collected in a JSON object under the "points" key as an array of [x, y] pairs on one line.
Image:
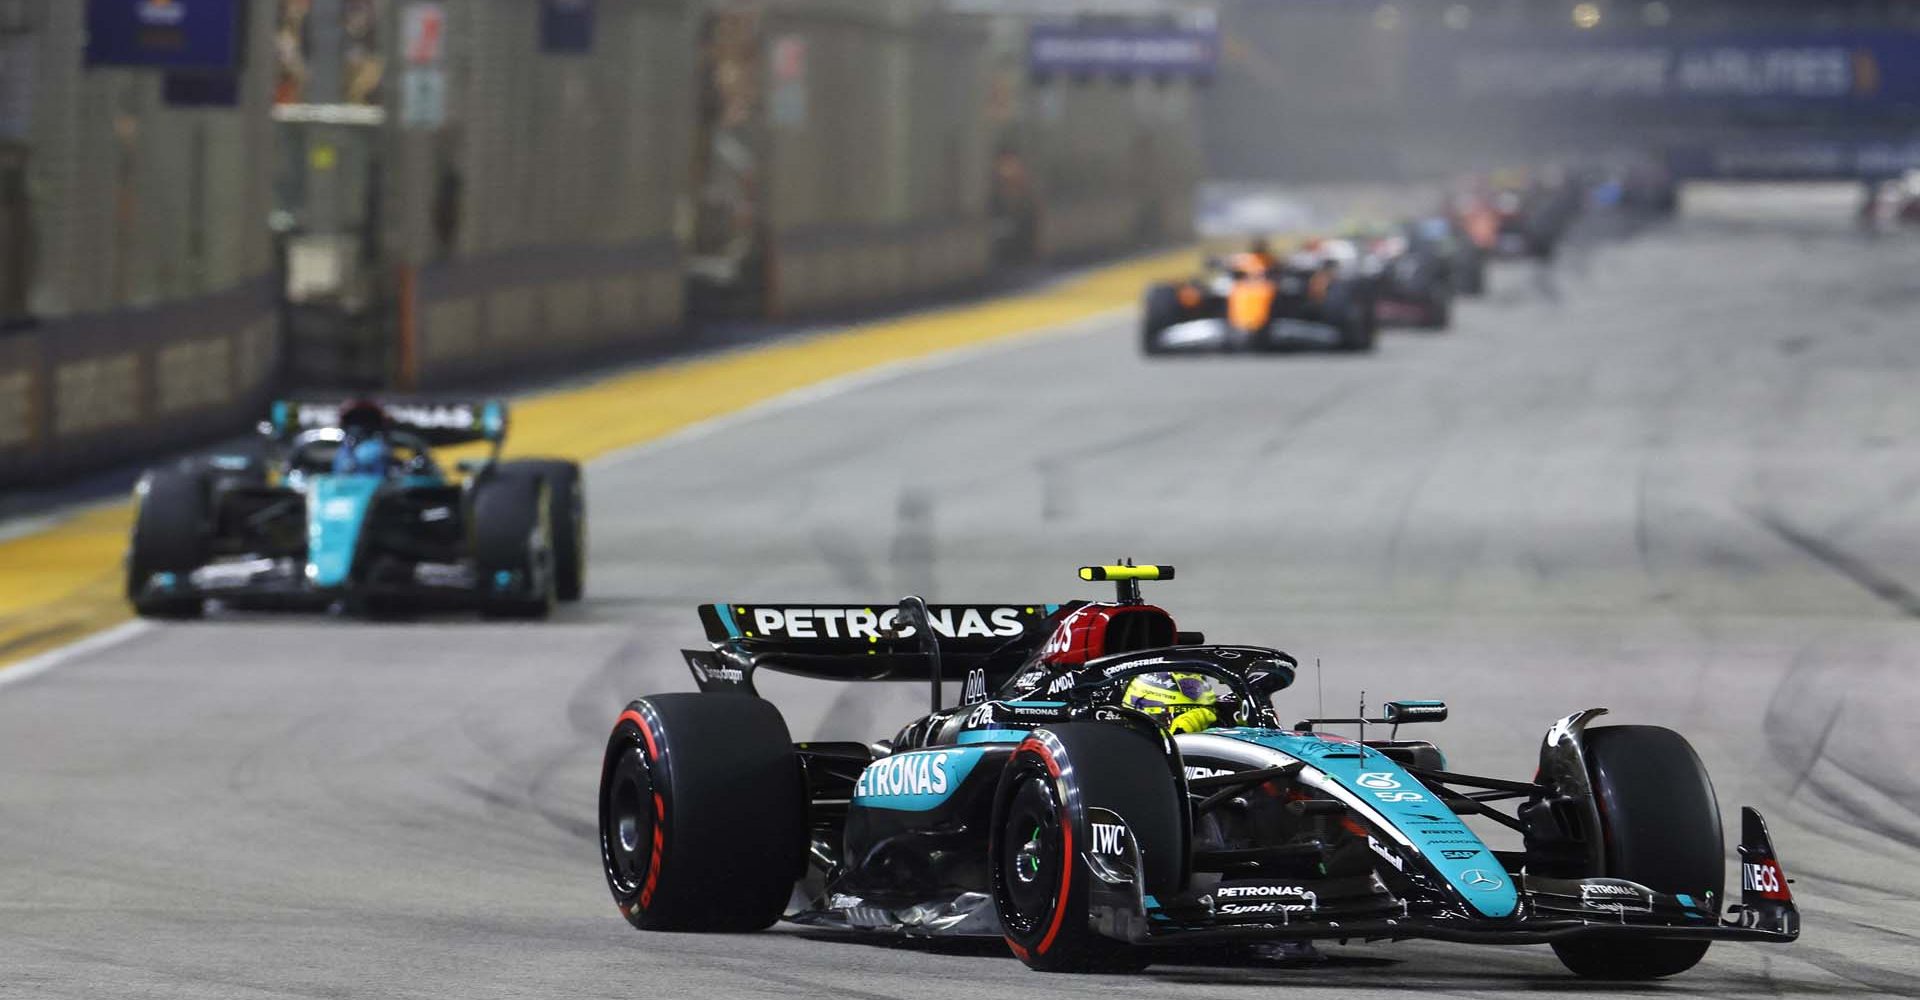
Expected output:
{"points": [[1838, 70], [191, 35], [566, 26], [1798, 158], [1072, 50]]}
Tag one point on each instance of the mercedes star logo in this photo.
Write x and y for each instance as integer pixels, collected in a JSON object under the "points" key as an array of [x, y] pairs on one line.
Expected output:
{"points": [[1481, 880]]}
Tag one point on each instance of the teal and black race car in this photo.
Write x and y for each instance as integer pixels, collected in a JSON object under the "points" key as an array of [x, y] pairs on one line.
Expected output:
{"points": [[348, 508], [1109, 786]]}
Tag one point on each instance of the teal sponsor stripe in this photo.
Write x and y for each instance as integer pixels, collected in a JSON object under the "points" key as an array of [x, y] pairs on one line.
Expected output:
{"points": [[1434, 830], [991, 736]]}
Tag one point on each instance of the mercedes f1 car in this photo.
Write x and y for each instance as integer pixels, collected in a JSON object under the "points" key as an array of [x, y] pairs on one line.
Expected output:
{"points": [[349, 507], [1046, 809], [1255, 301]]}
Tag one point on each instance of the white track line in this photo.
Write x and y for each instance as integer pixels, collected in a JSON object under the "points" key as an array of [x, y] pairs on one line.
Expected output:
{"points": [[99, 641]]}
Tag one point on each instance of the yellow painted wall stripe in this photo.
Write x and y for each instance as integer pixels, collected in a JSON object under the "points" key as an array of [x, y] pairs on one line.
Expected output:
{"points": [[64, 583]]}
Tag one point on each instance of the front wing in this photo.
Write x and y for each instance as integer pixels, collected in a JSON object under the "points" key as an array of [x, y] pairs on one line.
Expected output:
{"points": [[1366, 908]]}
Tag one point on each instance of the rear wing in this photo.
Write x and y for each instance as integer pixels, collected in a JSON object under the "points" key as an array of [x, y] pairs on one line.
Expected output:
{"points": [[438, 422], [870, 642]]}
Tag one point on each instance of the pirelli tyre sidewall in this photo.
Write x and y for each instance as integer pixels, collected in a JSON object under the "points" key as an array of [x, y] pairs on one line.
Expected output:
{"points": [[171, 534], [1661, 826], [1041, 830], [702, 813]]}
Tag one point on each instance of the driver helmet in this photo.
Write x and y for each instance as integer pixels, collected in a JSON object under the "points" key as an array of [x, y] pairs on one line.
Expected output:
{"points": [[370, 455], [1182, 702]]}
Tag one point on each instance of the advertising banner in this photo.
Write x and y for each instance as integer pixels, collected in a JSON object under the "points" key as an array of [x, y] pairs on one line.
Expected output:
{"points": [[199, 35], [1072, 50], [1863, 69], [566, 26]]}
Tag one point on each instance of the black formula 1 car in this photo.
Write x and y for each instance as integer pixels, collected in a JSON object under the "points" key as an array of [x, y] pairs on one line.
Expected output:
{"points": [[1411, 280], [1258, 302], [1045, 810], [348, 507]]}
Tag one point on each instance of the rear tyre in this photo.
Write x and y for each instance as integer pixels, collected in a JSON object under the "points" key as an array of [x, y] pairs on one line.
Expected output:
{"points": [[702, 813], [1162, 310], [1041, 829], [1661, 823], [171, 539], [512, 545], [567, 518]]}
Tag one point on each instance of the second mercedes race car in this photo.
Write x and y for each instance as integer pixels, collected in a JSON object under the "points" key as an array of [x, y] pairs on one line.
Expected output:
{"points": [[1256, 301], [1110, 785], [349, 508]]}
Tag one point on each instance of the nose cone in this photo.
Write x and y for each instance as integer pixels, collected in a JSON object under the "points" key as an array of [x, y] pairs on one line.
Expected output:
{"points": [[337, 508]]}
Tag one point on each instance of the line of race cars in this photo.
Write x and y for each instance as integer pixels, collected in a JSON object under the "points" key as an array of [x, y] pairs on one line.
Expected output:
{"points": [[1089, 825], [1055, 806], [1337, 292]]}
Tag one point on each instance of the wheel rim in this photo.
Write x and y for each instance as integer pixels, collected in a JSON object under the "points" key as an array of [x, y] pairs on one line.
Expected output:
{"points": [[1029, 865], [627, 837]]}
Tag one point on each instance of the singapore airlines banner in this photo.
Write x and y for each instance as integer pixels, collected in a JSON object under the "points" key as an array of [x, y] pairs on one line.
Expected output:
{"points": [[1881, 68]]}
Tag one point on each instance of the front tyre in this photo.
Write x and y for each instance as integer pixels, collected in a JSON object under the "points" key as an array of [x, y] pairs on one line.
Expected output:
{"points": [[512, 545], [171, 539], [1043, 827], [1661, 825], [566, 519], [1162, 310], [702, 813]]}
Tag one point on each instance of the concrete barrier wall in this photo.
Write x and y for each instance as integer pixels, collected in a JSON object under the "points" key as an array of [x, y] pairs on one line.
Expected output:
{"points": [[546, 219], [569, 169], [116, 386]]}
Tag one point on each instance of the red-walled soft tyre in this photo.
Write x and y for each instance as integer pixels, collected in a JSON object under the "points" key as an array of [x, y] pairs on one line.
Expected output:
{"points": [[702, 813], [1042, 829]]}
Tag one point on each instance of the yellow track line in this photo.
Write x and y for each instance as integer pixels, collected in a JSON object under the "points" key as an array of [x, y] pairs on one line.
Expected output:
{"points": [[64, 583]]}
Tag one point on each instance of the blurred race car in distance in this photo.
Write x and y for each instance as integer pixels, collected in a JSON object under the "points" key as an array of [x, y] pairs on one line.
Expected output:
{"points": [[349, 507], [1258, 301], [1088, 825], [1410, 270]]}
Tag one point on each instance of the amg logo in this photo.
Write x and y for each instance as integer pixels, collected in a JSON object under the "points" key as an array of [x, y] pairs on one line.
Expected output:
{"points": [[860, 623], [1195, 771], [1109, 838], [906, 774]]}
